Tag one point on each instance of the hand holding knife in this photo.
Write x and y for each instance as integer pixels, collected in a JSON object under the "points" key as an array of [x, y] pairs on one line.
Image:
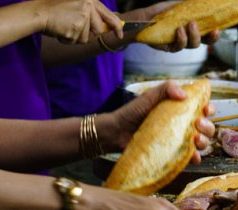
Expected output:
{"points": [[132, 25]]}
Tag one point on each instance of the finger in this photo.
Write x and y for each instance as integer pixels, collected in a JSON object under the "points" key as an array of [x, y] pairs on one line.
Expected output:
{"points": [[196, 158], [142, 105], [167, 90], [205, 127], [110, 19], [174, 91], [211, 38], [64, 40], [194, 38], [201, 141], [181, 40], [209, 110], [163, 47], [97, 24], [84, 36], [78, 30]]}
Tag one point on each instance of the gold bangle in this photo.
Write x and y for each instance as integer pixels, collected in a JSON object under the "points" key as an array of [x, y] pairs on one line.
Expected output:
{"points": [[104, 46], [89, 144], [70, 190]]}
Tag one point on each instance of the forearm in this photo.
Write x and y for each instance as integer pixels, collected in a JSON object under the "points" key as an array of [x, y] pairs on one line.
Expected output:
{"points": [[18, 21], [27, 192], [61, 54], [38, 144], [33, 145]]}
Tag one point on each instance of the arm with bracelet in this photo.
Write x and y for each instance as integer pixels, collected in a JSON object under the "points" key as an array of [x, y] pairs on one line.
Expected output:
{"points": [[188, 36], [30, 192], [26, 144]]}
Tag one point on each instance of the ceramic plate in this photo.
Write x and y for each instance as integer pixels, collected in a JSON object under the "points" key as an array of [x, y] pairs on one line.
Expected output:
{"points": [[220, 88]]}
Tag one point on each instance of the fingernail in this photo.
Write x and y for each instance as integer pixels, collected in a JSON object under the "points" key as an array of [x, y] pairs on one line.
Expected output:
{"points": [[180, 31], [204, 122], [121, 34], [193, 25], [181, 93]]}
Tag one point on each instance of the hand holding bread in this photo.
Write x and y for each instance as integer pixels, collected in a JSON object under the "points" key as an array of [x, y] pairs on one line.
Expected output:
{"points": [[208, 14], [164, 139]]}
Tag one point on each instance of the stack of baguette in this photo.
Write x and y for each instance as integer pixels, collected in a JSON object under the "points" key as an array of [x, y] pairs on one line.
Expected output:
{"points": [[209, 15]]}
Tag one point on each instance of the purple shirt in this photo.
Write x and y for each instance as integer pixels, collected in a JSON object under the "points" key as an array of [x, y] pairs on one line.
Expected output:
{"points": [[22, 81], [84, 88]]}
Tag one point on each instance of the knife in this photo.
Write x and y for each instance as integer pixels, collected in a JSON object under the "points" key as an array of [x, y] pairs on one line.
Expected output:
{"points": [[136, 25], [132, 25]]}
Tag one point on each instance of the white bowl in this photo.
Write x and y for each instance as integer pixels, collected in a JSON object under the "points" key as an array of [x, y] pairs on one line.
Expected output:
{"points": [[142, 59], [225, 47], [227, 89]]}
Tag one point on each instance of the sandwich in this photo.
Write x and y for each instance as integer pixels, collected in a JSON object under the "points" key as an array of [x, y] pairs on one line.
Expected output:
{"points": [[210, 193], [163, 145], [209, 15]]}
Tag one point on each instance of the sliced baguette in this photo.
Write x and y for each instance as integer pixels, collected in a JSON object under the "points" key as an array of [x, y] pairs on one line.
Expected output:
{"points": [[209, 15], [222, 182], [162, 146]]}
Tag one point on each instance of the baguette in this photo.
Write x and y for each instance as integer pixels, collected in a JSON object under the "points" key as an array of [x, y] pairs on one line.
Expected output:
{"points": [[208, 14], [210, 193], [222, 182], [162, 146]]}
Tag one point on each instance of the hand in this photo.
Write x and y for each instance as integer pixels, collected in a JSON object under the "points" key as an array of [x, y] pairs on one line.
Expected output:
{"points": [[73, 20], [186, 37], [98, 198], [207, 131], [189, 37], [126, 120]]}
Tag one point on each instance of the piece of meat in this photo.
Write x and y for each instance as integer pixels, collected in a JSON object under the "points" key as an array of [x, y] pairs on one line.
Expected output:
{"points": [[199, 201], [194, 203], [229, 141], [235, 206], [226, 196], [211, 200], [214, 207]]}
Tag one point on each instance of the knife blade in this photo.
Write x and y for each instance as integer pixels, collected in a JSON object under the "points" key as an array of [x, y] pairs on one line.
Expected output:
{"points": [[131, 25], [136, 25]]}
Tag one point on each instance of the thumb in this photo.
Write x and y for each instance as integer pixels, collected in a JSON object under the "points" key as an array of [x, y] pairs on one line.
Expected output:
{"points": [[135, 111]]}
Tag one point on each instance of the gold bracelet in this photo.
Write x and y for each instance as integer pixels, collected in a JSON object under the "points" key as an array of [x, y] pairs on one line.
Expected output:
{"points": [[105, 46], [89, 144], [70, 190]]}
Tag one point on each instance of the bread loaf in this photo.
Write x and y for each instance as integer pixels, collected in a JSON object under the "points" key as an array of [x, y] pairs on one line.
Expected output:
{"points": [[162, 146], [222, 182], [209, 15]]}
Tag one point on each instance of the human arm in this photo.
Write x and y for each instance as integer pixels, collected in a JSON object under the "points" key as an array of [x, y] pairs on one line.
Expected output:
{"points": [[27, 192], [133, 114], [26, 144], [66, 54], [71, 20]]}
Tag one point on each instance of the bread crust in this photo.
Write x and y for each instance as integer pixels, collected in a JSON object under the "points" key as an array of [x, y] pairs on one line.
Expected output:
{"points": [[162, 146], [222, 182], [208, 14]]}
